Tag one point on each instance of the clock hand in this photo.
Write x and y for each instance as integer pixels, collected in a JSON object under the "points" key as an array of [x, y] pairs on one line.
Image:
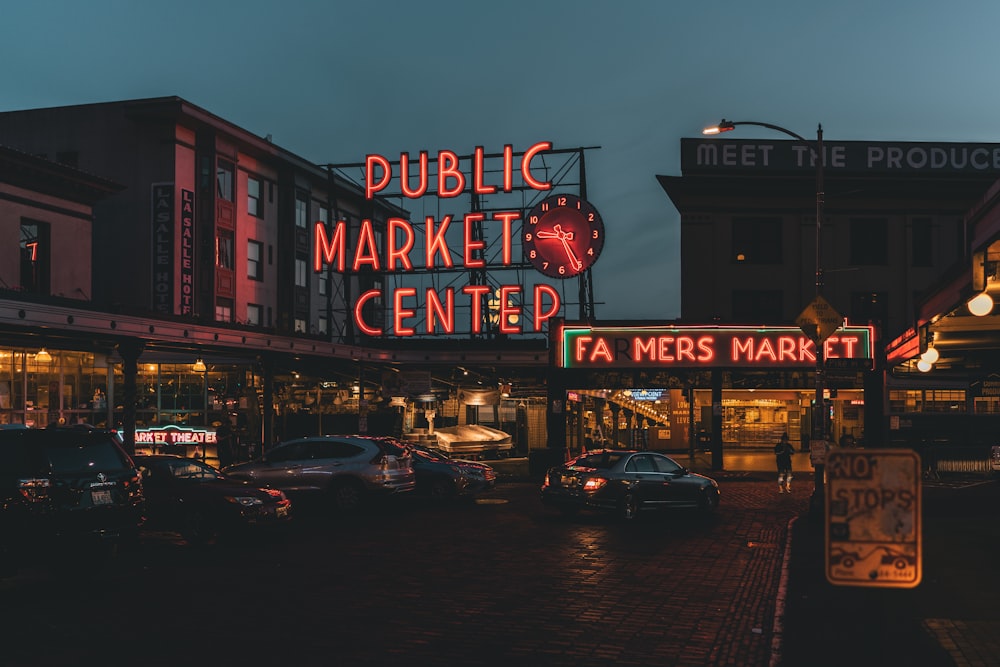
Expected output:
{"points": [[565, 237]]}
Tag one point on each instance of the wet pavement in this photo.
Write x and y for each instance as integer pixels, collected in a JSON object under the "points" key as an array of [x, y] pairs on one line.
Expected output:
{"points": [[505, 580]]}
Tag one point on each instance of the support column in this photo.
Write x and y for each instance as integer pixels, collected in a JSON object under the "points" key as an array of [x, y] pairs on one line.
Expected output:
{"points": [[267, 375], [129, 350], [716, 419]]}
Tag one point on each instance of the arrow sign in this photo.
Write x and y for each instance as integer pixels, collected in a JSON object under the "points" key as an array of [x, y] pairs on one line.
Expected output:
{"points": [[819, 320]]}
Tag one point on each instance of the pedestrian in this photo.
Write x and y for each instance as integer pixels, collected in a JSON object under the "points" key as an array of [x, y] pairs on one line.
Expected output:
{"points": [[783, 456]]}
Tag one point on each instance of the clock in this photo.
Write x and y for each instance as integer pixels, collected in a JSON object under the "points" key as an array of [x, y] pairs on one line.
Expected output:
{"points": [[562, 236]]}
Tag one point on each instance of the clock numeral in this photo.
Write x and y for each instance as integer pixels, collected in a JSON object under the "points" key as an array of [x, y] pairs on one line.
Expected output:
{"points": [[562, 269], [561, 201], [590, 251], [545, 206], [533, 254], [545, 265], [590, 217], [597, 234], [533, 219], [528, 237]]}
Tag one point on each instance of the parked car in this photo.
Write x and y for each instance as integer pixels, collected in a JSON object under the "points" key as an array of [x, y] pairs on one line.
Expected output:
{"points": [[349, 470], [626, 482], [441, 477], [201, 503], [65, 491]]}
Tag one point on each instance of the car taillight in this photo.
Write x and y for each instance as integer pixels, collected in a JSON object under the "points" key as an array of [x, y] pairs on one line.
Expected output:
{"points": [[594, 483], [34, 490]]}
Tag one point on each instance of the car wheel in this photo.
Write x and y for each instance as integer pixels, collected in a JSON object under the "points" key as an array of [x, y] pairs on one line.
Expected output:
{"points": [[629, 508], [709, 500], [198, 528], [347, 496], [441, 489]]}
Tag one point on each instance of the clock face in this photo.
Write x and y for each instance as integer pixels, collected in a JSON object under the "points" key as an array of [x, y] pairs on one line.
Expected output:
{"points": [[563, 236]]}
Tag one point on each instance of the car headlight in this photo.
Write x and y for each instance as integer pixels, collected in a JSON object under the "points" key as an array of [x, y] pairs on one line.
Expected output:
{"points": [[245, 501]]}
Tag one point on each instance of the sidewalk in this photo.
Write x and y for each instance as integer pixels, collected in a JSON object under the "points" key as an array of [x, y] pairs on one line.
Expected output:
{"points": [[951, 618]]}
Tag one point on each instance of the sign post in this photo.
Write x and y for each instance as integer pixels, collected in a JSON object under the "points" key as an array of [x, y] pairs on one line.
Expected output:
{"points": [[873, 516]]}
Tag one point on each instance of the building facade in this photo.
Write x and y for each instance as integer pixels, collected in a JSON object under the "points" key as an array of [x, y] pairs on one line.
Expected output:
{"points": [[893, 226]]}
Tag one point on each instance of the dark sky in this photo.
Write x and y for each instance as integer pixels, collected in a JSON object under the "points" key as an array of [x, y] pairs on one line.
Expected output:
{"points": [[334, 81]]}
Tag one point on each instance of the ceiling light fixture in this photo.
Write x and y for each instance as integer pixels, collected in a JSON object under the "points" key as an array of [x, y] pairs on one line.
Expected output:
{"points": [[43, 356], [981, 304], [199, 366]]}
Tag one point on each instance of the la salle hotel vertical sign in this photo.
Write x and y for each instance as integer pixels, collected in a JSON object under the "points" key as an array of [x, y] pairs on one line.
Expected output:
{"points": [[437, 308], [164, 248]]}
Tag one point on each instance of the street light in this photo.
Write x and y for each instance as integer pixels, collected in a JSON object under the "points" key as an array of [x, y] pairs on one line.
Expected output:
{"points": [[819, 413]]}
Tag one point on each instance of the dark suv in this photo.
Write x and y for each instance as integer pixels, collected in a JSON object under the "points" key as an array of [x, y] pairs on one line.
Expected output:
{"points": [[65, 485]]}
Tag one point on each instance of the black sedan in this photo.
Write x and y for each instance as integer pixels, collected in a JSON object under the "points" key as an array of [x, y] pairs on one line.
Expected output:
{"points": [[627, 483], [441, 477], [199, 502]]}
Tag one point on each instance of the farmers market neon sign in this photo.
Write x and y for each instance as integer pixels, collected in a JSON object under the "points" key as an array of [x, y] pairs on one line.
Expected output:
{"points": [[694, 347]]}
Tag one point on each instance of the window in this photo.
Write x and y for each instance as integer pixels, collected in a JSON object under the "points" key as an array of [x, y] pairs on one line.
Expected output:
{"points": [[920, 245], [301, 211], [324, 279], [323, 326], [223, 310], [324, 215], [255, 264], [224, 180], [224, 250], [757, 240], [255, 205], [757, 306], [301, 273], [255, 313], [34, 249], [869, 307], [926, 400], [300, 325], [870, 241]]}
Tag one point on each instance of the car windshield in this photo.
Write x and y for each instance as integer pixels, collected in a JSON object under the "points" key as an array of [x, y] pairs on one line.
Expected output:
{"points": [[430, 454], [184, 469], [598, 460], [96, 457]]}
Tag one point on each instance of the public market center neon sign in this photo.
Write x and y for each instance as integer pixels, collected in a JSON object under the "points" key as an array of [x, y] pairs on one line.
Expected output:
{"points": [[400, 238], [706, 347]]}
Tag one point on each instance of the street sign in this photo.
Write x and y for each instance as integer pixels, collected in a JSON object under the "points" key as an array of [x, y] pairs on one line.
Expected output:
{"points": [[873, 514], [819, 319]]}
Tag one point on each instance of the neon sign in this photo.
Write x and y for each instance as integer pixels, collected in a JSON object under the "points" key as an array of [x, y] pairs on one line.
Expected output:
{"points": [[437, 308], [704, 347], [174, 435]]}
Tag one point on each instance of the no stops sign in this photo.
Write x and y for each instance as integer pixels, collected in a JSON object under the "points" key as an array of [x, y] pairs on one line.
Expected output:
{"points": [[873, 513]]}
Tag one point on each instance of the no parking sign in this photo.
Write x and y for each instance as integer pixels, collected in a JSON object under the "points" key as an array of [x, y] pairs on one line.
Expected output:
{"points": [[873, 515]]}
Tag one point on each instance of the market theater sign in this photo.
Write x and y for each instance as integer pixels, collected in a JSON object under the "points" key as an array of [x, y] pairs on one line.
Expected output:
{"points": [[331, 249], [693, 347]]}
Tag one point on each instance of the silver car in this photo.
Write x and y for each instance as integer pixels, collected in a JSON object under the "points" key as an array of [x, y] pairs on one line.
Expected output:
{"points": [[349, 469]]}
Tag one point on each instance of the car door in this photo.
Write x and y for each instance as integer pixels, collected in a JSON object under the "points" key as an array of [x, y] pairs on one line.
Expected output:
{"points": [[282, 466], [330, 458], [649, 485], [677, 487]]}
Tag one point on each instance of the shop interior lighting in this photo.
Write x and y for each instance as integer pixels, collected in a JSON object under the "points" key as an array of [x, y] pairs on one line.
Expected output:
{"points": [[43, 356], [199, 366], [981, 304]]}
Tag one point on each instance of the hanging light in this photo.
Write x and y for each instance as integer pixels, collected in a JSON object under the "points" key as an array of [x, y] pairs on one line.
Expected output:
{"points": [[43, 356], [924, 366], [981, 304], [930, 356], [199, 366]]}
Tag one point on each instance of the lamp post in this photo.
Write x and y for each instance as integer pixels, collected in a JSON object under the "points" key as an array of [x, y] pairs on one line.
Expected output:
{"points": [[819, 425]]}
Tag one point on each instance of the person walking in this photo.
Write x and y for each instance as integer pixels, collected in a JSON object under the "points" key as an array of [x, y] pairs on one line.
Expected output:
{"points": [[783, 456]]}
